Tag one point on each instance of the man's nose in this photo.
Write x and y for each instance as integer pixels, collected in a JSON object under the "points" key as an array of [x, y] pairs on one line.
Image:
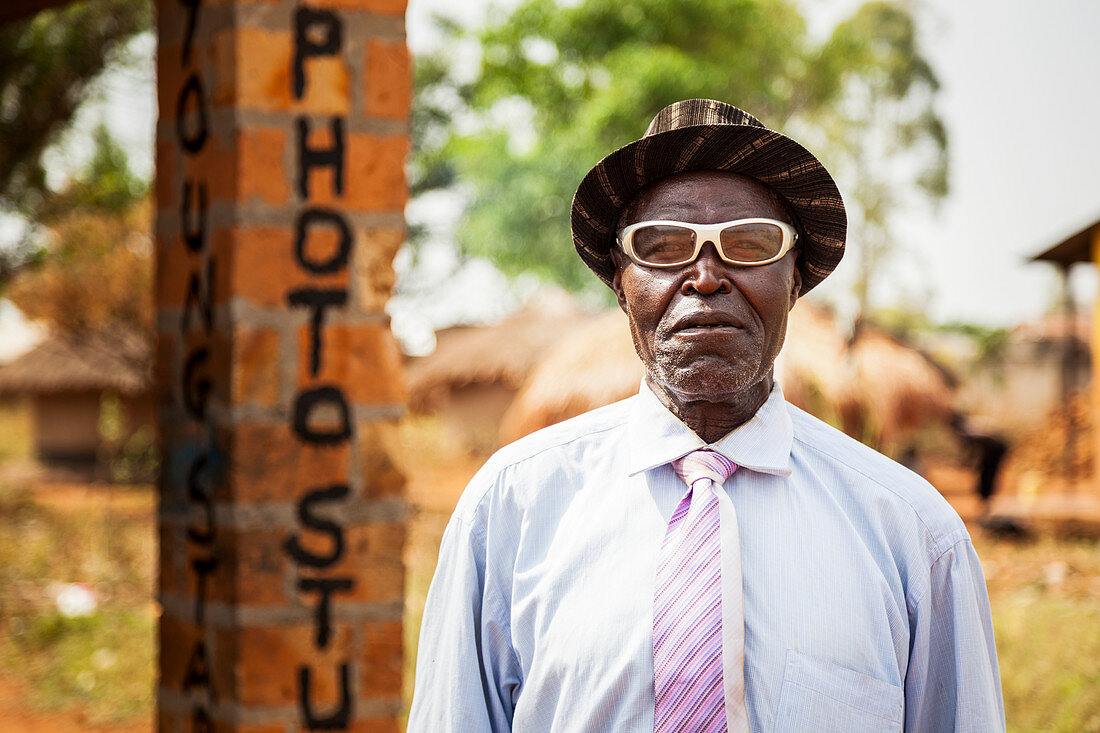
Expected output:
{"points": [[708, 274]]}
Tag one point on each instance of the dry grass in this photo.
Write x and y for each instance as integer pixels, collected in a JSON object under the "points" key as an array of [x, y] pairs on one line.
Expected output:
{"points": [[1045, 597], [102, 662]]}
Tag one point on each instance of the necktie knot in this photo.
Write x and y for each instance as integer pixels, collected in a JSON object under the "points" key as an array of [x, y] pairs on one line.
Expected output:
{"points": [[704, 463]]}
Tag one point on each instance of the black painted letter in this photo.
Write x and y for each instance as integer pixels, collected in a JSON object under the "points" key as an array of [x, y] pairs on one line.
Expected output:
{"points": [[318, 300], [309, 158], [322, 217], [336, 720], [310, 520], [200, 494], [326, 587], [196, 387], [193, 226], [316, 33], [191, 140], [307, 402], [200, 293]]}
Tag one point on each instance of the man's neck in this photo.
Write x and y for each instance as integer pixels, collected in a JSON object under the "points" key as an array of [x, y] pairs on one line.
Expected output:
{"points": [[713, 420]]}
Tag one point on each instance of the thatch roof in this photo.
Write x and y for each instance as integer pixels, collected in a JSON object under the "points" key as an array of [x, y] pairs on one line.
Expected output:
{"points": [[503, 353], [900, 388], [118, 361], [592, 366], [875, 384], [814, 367]]}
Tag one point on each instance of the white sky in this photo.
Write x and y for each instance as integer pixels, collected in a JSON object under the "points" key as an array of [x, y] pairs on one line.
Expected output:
{"points": [[1020, 98]]}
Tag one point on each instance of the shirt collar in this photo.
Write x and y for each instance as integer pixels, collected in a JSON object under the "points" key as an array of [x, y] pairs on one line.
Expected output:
{"points": [[655, 436]]}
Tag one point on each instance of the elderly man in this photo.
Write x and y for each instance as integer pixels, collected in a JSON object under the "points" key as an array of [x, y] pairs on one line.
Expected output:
{"points": [[704, 556]]}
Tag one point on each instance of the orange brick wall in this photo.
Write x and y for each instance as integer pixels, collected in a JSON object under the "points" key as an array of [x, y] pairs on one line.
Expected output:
{"points": [[280, 191]]}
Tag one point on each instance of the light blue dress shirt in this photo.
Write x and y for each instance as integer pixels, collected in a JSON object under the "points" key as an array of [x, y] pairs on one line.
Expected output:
{"points": [[865, 604]]}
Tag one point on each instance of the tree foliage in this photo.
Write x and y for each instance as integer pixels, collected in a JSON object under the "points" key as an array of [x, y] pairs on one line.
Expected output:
{"points": [[558, 87], [98, 276], [97, 273], [47, 66], [107, 183]]}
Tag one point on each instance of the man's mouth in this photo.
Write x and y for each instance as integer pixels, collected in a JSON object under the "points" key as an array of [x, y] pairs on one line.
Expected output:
{"points": [[706, 323], [706, 331]]}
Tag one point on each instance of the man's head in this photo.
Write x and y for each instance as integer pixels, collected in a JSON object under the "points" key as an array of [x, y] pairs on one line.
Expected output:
{"points": [[699, 135], [708, 329]]}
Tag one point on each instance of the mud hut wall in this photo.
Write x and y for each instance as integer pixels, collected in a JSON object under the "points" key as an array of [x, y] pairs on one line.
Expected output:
{"points": [[66, 425]]}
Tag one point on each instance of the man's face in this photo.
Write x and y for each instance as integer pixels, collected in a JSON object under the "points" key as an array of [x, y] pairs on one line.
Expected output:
{"points": [[708, 330]]}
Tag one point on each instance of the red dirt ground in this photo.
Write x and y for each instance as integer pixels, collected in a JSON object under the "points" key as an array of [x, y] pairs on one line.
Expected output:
{"points": [[16, 718]]}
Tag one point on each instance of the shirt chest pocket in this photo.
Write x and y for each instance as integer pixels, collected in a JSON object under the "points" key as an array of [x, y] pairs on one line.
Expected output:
{"points": [[821, 696]]}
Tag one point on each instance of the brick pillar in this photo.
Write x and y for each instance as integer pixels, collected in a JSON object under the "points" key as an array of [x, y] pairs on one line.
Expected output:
{"points": [[280, 192]]}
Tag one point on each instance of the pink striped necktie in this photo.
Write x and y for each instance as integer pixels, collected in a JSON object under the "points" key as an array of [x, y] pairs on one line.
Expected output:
{"points": [[689, 680]]}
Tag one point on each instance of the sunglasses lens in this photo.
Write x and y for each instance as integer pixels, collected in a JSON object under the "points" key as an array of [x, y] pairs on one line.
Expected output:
{"points": [[663, 244], [752, 242]]}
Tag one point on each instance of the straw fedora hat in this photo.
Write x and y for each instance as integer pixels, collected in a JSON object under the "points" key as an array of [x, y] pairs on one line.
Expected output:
{"points": [[702, 134]]}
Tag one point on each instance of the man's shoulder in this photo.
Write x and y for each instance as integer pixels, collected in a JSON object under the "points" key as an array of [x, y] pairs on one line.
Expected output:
{"points": [[872, 478], [582, 428], [564, 445]]}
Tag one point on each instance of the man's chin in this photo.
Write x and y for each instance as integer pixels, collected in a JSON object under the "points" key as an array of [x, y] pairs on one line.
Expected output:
{"points": [[722, 386]]}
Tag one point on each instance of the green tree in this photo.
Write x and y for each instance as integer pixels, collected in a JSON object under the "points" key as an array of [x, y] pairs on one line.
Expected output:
{"points": [[47, 66], [107, 183], [559, 87]]}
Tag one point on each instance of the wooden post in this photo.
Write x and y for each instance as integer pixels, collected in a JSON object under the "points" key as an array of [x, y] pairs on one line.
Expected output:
{"points": [[1069, 378], [1095, 354]]}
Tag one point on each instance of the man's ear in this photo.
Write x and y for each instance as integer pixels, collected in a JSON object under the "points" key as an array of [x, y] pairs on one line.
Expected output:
{"points": [[618, 259], [796, 285]]}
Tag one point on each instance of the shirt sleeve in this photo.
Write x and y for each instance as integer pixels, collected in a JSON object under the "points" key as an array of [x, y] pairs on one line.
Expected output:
{"points": [[953, 682], [467, 678]]}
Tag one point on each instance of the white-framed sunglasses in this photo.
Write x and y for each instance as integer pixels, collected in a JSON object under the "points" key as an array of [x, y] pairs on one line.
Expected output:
{"points": [[665, 243]]}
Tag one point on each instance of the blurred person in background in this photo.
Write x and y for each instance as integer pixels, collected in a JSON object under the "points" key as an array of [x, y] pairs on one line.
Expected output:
{"points": [[988, 448], [704, 556]]}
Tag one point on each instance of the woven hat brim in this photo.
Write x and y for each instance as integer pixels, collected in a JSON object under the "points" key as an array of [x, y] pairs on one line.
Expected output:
{"points": [[768, 156]]}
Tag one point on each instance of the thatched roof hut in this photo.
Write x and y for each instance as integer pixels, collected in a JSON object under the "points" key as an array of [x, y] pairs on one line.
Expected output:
{"points": [[873, 386], [900, 388], [475, 371], [503, 353], [814, 367], [119, 362], [592, 366], [65, 381], [876, 388]]}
